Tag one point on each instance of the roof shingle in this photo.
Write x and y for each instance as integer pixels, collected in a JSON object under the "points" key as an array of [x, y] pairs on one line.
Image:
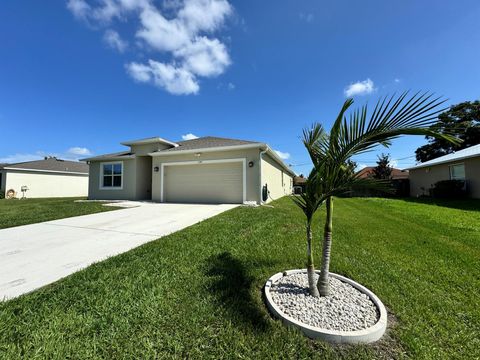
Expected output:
{"points": [[208, 142], [51, 164]]}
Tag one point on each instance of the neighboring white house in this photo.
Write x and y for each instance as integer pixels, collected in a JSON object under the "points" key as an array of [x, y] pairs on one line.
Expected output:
{"points": [[50, 177], [460, 165], [203, 170]]}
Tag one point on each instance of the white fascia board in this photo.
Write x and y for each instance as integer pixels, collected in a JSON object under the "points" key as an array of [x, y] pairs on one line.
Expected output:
{"points": [[261, 146], [277, 158], [210, 149], [442, 162], [46, 171], [149, 141], [113, 158]]}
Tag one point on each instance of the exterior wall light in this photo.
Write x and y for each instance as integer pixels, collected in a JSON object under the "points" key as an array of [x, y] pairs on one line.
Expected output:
{"points": [[156, 169], [250, 164]]}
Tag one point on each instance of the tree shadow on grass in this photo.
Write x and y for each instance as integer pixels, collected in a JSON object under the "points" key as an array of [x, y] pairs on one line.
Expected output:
{"points": [[231, 285], [460, 204]]}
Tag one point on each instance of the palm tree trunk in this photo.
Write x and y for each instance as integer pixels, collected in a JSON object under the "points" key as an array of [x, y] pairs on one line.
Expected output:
{"points": [[310, 268], [322, 284]]}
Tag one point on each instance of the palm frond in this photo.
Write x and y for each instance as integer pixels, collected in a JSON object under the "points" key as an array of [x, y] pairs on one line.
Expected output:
{"points": [[391, 118]]}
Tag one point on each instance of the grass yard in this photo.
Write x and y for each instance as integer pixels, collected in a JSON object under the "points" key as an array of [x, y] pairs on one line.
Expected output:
{"points": [[30, 211], [198, 293]]}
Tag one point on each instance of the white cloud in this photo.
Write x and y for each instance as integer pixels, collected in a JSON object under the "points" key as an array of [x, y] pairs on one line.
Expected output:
{"points": [[397, 80], [283, 155], [180, 30], [204, 57], [189, 136], [113, 39], [176, 80], [393, 163], [307, 17], [79, 8], [231, 86], [139, 72], [76, 150], [73, 153], [359, 88], [204, 15]]}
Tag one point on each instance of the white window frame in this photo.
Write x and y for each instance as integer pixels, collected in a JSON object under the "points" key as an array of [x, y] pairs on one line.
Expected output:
{"points": [[200, 162], [101, 187], [450, 170]]}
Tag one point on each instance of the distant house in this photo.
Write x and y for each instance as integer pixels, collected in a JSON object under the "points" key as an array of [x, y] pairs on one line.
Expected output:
{"points": [[460, 165], [203, 170], [50, 177], [299, 183], [396, 174], [398, 180]]}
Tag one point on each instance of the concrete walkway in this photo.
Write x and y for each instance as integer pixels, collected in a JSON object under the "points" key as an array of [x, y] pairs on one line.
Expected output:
{"points": [[33, 256]]}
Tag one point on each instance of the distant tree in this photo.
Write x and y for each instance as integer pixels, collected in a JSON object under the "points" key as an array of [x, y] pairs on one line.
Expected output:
{"points": [[383, 170], [351, 166], [463, 120]]}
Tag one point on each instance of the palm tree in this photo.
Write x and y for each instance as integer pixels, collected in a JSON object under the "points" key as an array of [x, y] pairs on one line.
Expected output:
{"points": [[309, 202], [391, 118]]}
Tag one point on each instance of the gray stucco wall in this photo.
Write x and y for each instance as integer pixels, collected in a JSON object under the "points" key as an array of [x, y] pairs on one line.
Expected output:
{"points": [[472, 174], [144, 177], [423, 179], [252, 174], [129, 190], [147, 148]]}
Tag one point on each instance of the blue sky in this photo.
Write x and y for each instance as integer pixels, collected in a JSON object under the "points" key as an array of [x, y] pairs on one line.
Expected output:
{"points": [[77, 77]]}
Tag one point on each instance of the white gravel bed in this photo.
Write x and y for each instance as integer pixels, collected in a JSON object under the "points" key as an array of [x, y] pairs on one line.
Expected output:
{"points": [[345, 309]]}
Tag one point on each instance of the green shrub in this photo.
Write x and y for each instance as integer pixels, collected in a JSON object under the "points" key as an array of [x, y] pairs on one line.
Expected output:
{"points": [[449, 189]]}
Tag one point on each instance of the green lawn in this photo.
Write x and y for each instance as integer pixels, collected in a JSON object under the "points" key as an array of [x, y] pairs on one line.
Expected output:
{"points": [[198, 293], [29, 211]]}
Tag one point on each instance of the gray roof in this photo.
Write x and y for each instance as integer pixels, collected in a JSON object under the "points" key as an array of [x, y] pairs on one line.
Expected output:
{"points": [[116, 155], [472, 151], [208, 142], [51, 164]]}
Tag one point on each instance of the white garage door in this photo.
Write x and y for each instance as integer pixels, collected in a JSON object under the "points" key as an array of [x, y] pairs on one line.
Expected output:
{"points": [[214, 183]]}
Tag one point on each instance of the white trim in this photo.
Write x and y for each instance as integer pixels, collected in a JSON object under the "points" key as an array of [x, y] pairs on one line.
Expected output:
{"points": [[260, 164], [470, 152], [261, 146], [279, 160], [204, 150], [113, 158], [47, 171], [456, 164], [100, 183], [200, 162], [149, 141]]}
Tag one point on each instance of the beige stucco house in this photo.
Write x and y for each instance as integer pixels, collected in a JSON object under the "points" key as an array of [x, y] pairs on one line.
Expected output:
{"points": [[460, 165], [50, 177], [203, 170]]}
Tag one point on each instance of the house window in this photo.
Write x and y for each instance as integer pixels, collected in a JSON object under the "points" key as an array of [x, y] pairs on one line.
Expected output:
{"points": [[457, 172], [111, 175]]}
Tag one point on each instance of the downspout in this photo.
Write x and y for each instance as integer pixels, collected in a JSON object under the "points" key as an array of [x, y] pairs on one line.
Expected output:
{"points": [[260, 172]]}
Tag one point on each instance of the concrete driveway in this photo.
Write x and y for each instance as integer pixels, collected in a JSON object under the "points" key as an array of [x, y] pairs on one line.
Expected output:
{"points": [[32, 256]]}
